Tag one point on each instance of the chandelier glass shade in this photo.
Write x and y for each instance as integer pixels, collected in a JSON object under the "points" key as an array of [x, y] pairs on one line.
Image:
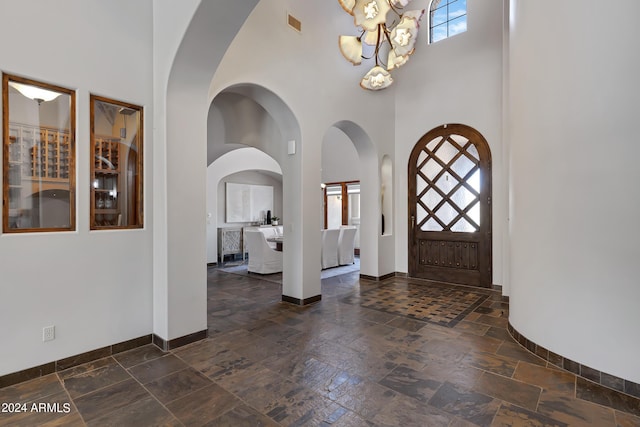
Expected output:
{"points": [[388, 35]]}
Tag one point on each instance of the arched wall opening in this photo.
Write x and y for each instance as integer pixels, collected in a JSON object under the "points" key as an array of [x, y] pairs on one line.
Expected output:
{"points": [[369, 178], [249, 115], [180, 167], [231, 164]]}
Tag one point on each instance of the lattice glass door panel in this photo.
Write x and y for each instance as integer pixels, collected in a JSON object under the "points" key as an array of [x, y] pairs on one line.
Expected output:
{"points": [[448, 185]]}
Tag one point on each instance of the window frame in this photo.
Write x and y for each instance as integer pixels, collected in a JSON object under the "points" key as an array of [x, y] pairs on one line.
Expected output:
{"points": [[6, 141], [445, 23], [139, 176]]}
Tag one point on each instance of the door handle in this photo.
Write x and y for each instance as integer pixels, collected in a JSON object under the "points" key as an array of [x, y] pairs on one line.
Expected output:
{"points": [[413, 221]]}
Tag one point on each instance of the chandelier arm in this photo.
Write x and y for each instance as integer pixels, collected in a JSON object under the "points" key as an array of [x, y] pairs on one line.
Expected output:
{"points": [[378, 43]]}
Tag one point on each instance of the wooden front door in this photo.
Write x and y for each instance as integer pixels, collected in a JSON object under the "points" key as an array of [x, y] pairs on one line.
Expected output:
{"points": [[450, 207]]}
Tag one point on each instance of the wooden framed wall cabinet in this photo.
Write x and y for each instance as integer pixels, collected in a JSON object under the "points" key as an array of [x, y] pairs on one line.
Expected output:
{"points": [[38, 182], [116, 164]]}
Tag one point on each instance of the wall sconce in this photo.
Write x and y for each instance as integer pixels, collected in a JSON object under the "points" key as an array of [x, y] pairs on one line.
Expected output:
{"points": [[386, 31]]}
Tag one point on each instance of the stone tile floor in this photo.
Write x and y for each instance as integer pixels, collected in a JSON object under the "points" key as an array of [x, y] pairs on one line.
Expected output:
{"points": [[339, 362]]}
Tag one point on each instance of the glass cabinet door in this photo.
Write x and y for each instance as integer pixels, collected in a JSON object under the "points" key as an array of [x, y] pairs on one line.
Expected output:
{"points": [[116, 164], [38, 156]]}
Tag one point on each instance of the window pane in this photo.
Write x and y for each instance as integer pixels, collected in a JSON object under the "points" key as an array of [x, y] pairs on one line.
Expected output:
{"points": [[438, 33], [116, 187], [458, 25], [457, 8], [439, 16], [39, 135]]}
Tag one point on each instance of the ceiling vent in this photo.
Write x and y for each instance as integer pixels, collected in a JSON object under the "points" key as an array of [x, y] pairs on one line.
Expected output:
{"points": [[294, 23]]}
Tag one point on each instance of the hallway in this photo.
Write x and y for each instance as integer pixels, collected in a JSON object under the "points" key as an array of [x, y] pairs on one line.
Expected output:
{"points": [[390, 353]]}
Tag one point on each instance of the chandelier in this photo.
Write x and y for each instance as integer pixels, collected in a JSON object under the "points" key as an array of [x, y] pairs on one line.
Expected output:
{"points": [[385, 31]]}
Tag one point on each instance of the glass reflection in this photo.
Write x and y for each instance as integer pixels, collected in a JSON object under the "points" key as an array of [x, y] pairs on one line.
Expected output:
{"points": [[39, 165], [116, 186]]}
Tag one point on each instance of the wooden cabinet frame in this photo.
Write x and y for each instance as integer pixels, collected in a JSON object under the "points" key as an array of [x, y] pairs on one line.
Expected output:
{"points": [[41, 158], [116, 172]]}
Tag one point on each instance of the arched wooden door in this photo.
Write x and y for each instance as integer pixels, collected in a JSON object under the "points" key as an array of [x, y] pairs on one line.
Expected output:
{"points": [[450, 207]]}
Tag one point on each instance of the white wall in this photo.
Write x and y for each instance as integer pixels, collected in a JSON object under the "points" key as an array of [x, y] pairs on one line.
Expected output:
{"points": [[456, 80], [574, 181], [95, 287], [340, 162]]}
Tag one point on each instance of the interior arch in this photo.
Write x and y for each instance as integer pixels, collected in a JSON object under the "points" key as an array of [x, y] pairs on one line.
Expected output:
{"points": [[369, 195]]}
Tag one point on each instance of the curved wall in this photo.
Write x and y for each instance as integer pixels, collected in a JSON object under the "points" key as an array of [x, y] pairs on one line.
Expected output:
{"points": [[574, 208]]}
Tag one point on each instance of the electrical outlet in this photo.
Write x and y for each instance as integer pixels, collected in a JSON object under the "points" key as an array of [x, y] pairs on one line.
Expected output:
{"points": [[48, 333]]}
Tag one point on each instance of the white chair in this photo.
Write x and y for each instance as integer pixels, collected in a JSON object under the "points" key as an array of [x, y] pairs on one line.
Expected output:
{"points": [[269, 231], [330, 248], [262, 258], [346, 245]]}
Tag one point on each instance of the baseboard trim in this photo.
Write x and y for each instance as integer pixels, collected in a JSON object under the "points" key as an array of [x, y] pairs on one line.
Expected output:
{"points": [[166, 345], [301, 302], [380, 278], [70, 362], [595, 376]]}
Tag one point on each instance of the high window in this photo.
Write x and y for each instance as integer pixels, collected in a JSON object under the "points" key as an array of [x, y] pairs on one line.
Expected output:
{"points": [[38, 156], [447, 18], [116, 164]]}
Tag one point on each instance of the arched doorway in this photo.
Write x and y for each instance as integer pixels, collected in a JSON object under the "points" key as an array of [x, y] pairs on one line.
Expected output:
{"points": [[450, 207]]}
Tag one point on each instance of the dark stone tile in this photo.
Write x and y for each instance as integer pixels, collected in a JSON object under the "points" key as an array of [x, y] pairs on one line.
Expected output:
{"points": [[472, 327], [555, 359], [93, 380], [590, 373], [498, 333], [79, 359], [404, 411], [144, 412], [406, 324], [442, 370], [27, 374], [242, 415], [29, 391], [139, 355], [300, 407], [157, 368], [109, 399], [411, 383], [511, 416], [364, 397], [515, 351], [563, 407], [56, 407], [632, 388], [626, 420], [177, 385], [571, 366], [203, 405], [611, 381], [272, 331], [597, 393], [86, 367], [547, 378], [516, 392], [472, 406], [491, 362], [73, 419], [542, 352]]}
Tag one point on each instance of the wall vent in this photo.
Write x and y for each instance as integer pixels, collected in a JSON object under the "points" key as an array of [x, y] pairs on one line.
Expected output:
{"points": [[294, 23]]}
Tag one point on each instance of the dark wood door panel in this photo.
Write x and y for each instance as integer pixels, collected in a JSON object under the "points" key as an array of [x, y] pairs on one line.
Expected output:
{"points": [[450, 207]]}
